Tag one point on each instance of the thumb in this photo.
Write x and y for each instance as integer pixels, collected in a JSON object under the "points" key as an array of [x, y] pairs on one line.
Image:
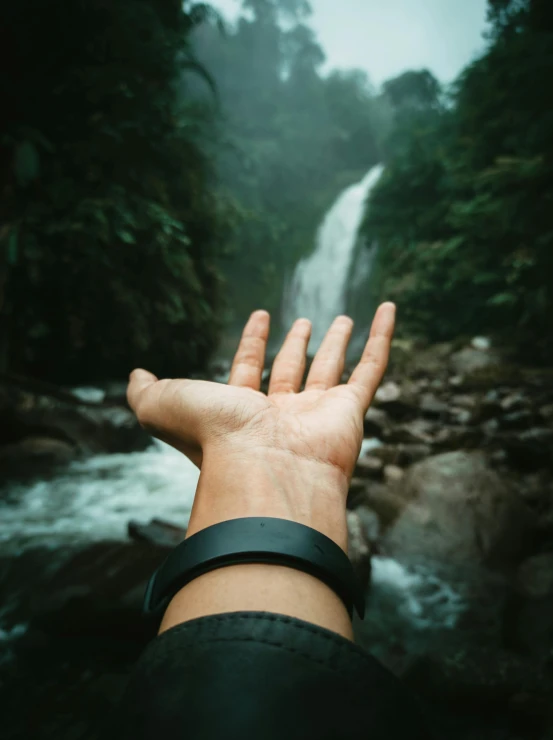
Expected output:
{"points": [[139, 381]]}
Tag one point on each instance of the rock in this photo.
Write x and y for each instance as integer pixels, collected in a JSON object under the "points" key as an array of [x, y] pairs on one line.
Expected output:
{"points": [[398, 403], [528, 621], [498, 457], [490, 408], [458, 511], [481, 343], [402, 454], [457, 438], [432, 408], [384, 502], [359, 549], [534, 577], [428, 362], [157, 532], [531, 449], [408, 454], [376, 422], [456, 381], [34, 456], [116, 392], [393, 474], [490, 427], [356, 493], [387, 453], [89, 394], [418, 431], [461, 416], [546, 413], [469, 360], [492, 376], [464, 401], [371, 525], [475, 676], [89, 428], [518, 419], [387, 393], [537, 489], [95, 590], [514, 401], [369, 467]]}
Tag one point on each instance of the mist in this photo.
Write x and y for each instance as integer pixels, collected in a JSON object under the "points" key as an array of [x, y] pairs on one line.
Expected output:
{"points": [[387, 38]]}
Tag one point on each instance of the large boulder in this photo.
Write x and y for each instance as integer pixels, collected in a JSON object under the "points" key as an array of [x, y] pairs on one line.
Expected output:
{"points": [[528, 614], [95, 589], [477, 677], [49, 425], [458, 510], [34, 456], [530, 449]]}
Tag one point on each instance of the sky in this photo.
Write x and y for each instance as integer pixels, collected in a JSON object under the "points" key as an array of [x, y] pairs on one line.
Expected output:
{"points": [[386, 37]]}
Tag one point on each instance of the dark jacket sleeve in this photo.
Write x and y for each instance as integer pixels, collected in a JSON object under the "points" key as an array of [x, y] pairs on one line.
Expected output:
{"points": [[263, 676]]}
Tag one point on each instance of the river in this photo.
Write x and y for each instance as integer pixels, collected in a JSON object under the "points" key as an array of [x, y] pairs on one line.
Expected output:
{"points": [[94, 499]]}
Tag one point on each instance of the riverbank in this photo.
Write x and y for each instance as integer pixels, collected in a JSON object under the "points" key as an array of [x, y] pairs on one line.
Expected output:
{"points": [[452, 497]]}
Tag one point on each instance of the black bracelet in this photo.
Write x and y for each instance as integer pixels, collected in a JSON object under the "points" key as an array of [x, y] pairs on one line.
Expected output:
{"points": [[256, 540]]}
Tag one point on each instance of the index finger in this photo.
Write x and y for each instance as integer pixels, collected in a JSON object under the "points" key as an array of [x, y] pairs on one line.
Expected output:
{"points": [[369, 372]]}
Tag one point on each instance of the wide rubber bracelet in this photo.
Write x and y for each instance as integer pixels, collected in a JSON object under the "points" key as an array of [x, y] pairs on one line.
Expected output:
{"points": [[255, 540]]}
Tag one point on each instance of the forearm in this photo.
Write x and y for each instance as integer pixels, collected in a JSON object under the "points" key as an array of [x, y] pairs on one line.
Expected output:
{"points": [[233, 485]]}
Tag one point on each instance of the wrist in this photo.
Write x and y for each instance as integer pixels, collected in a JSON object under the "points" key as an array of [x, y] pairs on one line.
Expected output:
{"points": [[267, 482], [260, 588]]}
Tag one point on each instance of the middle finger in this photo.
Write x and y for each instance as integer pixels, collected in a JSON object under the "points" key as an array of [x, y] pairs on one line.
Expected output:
{"points": [[328, 365]]}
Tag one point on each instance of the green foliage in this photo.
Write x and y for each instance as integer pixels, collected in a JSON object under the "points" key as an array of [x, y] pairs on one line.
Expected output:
{"points": [[111, 228], [464, 213]]}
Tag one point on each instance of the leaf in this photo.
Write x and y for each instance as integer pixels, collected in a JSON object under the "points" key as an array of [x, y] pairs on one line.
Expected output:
{"points": [[503, 299], [126, 237], [26, 163], [12, 249]]}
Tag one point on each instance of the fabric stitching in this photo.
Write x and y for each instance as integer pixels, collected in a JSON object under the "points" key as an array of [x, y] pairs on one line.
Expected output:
{"points": [[202, 622]]}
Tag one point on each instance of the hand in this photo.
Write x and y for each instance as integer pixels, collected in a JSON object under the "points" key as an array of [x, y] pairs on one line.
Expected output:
{"points": [[289, 454]]}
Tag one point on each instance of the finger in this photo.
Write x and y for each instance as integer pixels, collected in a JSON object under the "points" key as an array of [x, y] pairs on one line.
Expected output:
{"points": [[369, 372], [289, 366], [249, 360], [161, 415], [139, 381], [328, 365]]}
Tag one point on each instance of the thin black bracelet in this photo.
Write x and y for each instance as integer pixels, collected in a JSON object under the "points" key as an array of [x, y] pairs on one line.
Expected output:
{"points": [[256, 540]]}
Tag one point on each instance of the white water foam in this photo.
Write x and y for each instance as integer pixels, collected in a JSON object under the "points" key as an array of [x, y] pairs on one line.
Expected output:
{"points": [[96, 498], [418, 595]]}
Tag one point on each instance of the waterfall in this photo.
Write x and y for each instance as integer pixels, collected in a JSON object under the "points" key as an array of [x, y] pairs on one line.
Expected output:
{"points": [[318, 288]]}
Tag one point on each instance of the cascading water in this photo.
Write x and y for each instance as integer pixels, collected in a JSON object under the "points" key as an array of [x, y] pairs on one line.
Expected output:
{"points": [[318, 288]]}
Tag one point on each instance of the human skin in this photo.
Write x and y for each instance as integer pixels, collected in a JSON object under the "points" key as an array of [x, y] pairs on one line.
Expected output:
{"points": [[289, 454]]}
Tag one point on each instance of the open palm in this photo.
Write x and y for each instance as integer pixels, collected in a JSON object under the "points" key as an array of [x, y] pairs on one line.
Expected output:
{"points": [[322, 423]]}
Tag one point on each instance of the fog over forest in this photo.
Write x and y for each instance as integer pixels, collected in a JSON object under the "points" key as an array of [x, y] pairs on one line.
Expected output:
{"points": [[387, 38]]}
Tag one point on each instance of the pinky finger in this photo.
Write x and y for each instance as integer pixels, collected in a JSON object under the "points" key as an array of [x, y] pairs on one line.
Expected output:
{"points": [[369, 372]]}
